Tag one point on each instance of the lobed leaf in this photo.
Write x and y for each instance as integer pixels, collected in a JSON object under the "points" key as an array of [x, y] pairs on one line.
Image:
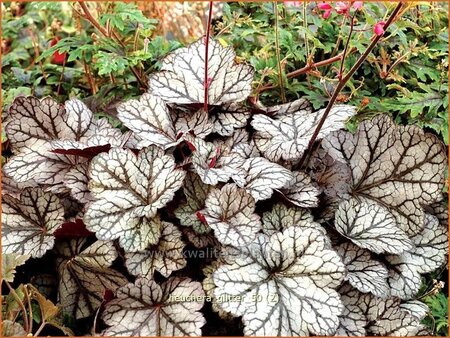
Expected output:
{"points": [[398, 167], [283, 284], [28, 223], [9, 264], [371, 226], [196, 192], [128, 190], [182, 76], [260, 177], [165, 257], [301, 191], [84, 275], [150, 119], [286, 136], [282, 217], [228, 117], [363, 272], [382, 316], [230, 212], [148, 309], [49, 139], [211, 162]]}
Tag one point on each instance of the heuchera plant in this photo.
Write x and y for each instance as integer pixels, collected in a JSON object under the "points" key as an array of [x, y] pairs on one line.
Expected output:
{"points": [[334, 247]]}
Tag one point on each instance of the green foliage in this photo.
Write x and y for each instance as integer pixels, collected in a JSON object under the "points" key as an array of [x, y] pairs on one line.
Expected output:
{"points": [[405, 75], [94, 59], [126, 18], [438, 320]]}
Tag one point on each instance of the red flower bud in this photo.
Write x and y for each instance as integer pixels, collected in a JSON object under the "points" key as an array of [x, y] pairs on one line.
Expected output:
{"points": [[378, 29], [57, 58], [324, 6]]}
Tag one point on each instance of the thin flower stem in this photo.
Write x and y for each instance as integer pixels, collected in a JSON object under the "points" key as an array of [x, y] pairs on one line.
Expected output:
{"points": [[30, 309], [36, 52], [306, 69], [343, 82], [91, 81], [40, 328], [277, 47], [305, 27], [88, 16], [341, 68], [206, 80], [58, 90], [21, 305]]}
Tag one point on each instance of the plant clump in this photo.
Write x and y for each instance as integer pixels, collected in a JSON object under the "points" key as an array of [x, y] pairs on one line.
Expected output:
{"points": [[334, 247]]}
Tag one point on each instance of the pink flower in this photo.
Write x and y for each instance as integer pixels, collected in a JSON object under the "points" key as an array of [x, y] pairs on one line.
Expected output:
{"points": [[358, 5], [378, 29], [326, 14], [326, 8], [342, 7]]}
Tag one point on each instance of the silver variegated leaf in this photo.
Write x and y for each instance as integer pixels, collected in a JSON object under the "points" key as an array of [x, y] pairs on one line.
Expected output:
{"points": [[28, 223], [196, 192], [48, 139], [239, 144], [430, 246], [84, 275], [182, 75], [149, 118], [200, 240], [286, 136], [301, 191], [352, 322], [148, 309], [363, 272], [288, 108], [128, 190], [13, 188], [210, 163], [104, 133], [440, 210], [196, 123], [30, 119], [404, 280], [384, 316], [282, 217], [209, 286], [164, 257], [230, 212], [260, 177], [228, 117], [76, 179], [283, 284], [37, 163], [415, 308], [330, 175], [398, 167], [371, 226], [430, 252]]}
